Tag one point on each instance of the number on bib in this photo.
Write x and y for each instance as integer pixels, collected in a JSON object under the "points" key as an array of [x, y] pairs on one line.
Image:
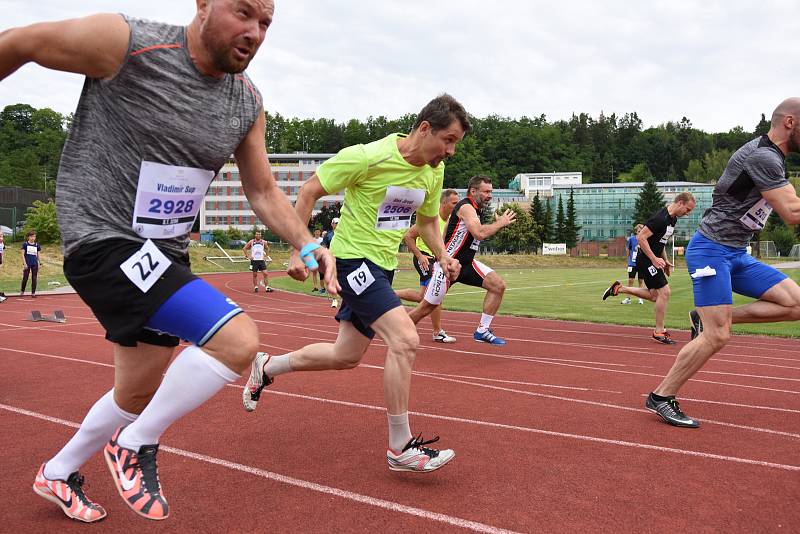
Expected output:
{"points": [[145, 266], [360, 279], [652, 270]]}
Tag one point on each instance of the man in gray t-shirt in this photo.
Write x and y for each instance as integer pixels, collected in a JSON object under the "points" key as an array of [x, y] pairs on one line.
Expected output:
{"points": [[162, 109], [752, 186]]}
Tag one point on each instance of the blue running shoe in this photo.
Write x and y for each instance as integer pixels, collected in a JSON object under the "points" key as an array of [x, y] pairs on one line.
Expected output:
{"points": [[488, 337]]}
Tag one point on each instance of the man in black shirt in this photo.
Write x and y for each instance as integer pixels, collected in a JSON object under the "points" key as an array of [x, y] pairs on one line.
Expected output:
{"points": [[652, 262]]}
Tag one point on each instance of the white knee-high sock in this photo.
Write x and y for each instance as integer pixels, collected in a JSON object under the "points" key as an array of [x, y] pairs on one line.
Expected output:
{"points": [[192, 379], [96, 429]]}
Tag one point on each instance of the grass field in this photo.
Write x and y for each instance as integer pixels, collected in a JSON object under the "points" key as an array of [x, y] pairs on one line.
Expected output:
{"points": [[552, 287]]}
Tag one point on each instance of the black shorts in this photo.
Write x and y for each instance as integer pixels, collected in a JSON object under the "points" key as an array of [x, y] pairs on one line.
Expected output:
{"points": [[653, 278], [424, 276], [258, 265], [121, 307], [375, 296], [633, 272]]}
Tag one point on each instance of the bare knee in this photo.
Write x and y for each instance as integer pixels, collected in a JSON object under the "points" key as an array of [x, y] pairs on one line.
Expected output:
{"points": [[347, 359], [717, 338], [133, 401], [236, 344], [404, 345]]}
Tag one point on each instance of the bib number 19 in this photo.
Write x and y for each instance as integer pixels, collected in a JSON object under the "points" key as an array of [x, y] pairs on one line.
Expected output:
{"points": [[360, 279]]}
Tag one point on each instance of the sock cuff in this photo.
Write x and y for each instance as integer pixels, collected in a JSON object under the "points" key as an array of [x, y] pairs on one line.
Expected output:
{"points": [[203, 358], [128, 416]]}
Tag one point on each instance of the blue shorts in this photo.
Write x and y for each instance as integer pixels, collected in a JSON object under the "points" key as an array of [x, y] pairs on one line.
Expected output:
{"points": [[736, 272], [375, 294], [195, 313]]}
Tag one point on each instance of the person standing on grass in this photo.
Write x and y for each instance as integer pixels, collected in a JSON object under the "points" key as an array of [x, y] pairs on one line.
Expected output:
{"points": [[753, 185], [424, 261], [652, 262], [31, 259], [385, 183], [632, 245], [463, 237], [256, 250], [163, 107]]}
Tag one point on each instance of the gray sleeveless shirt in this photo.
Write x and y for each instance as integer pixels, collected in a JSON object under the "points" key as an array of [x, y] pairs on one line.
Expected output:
{"points": [[157, 120]]}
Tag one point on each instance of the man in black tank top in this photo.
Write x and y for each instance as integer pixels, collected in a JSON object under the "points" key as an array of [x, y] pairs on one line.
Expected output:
{"points": [[462, 239], [652, 261], [162, 109]]}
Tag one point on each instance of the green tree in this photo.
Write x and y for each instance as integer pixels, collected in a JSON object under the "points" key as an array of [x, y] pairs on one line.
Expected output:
{"points": [[638, 173], [517, 237], [41, 218], [695, 172], [546, 231], [650, 200], [561, 223], [536, 210], [762, 127], [571, 226]]}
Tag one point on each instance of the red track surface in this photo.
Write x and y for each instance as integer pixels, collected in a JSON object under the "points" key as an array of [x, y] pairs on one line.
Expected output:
{"points": [[550, 432]]}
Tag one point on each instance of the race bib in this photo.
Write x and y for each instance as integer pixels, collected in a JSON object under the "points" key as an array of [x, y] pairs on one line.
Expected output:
{"points": [[397, 207], [667, 234], [634, 254], [756, 217], [258, 251], [145, 266], [31, 250], [168, 199], [652, 270], [475, 245], [360, 279]]}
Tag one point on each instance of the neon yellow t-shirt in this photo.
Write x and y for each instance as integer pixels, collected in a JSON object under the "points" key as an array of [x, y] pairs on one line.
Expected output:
{"points": [[421, 244], [381, 193]]}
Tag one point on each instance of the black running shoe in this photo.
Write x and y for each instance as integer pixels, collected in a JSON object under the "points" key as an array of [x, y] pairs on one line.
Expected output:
{"points": [[612, 290], [670, 411], [663, 337], [697, 324]]}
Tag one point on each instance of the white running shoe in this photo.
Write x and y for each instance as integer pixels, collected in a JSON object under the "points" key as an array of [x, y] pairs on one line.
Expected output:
{"points": [[255, 289], [442, 337], [257, 381], [641, 301], [626, 300], [334, 303], [415, 457]]}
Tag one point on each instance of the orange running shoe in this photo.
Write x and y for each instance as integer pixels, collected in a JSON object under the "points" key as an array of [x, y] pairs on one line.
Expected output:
{"points": [[69, 495], [136, 478]]}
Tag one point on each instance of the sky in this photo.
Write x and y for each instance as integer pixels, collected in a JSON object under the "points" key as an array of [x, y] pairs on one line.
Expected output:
{"points": [[720, 63]]}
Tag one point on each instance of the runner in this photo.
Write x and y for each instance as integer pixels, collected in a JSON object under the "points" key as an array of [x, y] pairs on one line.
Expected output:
{"points": [[753, 184], [632, 245], [385, 182], [423, 263], [652, 262], [463, 237], [257, 251], [163, 108]]}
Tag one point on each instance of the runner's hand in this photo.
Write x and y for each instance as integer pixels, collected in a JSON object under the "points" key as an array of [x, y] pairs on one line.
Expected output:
{"points": [[327, 269], [297, 269], [451, 268], [507, 218], [659, 263], [422, 259]]}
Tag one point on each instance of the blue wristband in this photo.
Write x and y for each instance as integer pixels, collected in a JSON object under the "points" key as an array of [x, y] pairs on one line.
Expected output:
{"points": [[307, 257]]}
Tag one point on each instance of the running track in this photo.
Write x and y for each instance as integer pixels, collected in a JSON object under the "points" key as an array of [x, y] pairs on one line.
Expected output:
{"points": [[550, 432]]}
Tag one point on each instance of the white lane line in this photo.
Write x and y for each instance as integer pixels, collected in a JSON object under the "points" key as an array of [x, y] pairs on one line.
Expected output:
{"points": [[304, 484]]}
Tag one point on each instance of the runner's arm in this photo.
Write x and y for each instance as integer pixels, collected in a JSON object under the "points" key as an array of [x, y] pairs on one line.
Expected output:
{"points": [[270, 203], [785, 201], [246, 247], [483, 231], [94, 46], [410, 239]]}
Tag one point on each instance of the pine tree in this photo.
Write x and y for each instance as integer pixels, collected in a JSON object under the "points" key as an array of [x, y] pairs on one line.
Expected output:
{"points": [[547, 224], [650, 201], [571, 226], [561, 234], [536, 211]]}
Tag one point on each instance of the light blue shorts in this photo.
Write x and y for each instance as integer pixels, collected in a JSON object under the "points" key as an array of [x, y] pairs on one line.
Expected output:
{"points": [[736, 272]]}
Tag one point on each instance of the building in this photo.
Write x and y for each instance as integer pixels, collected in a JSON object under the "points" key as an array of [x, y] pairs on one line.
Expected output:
{"points": [[543, 183], [225, 204], [606, 211]]}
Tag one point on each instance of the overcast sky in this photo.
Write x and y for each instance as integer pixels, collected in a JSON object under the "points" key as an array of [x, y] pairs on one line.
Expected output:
{"points": [[720, 63]]}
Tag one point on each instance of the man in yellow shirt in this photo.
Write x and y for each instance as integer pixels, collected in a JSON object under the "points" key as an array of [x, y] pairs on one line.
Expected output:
{"points": [[423, 263], [385, 183]]}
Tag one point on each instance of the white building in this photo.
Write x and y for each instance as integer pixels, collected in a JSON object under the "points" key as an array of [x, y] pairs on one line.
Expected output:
{"points": [[530, 183], [225, 204]]}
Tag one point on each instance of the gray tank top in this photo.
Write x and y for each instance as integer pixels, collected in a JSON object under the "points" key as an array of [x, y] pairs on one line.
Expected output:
{"points": [[152, 137]]}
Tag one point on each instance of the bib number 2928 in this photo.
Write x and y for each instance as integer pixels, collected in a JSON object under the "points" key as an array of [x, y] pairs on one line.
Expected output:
{"points": [[360, 279], [145, 266]]}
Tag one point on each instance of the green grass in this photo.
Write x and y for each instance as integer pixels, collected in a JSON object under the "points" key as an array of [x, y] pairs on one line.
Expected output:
{"points": [[574, 293], [548, 287]]}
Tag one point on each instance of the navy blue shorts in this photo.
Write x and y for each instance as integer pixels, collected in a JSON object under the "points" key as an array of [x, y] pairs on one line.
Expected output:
{"points": [[734, 271], [366, 293]]}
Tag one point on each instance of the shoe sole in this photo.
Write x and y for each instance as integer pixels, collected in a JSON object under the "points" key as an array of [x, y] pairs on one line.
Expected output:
{"points": [[671, 423], [394, 468], [113, 469], [488, 342], [55, 500]]}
